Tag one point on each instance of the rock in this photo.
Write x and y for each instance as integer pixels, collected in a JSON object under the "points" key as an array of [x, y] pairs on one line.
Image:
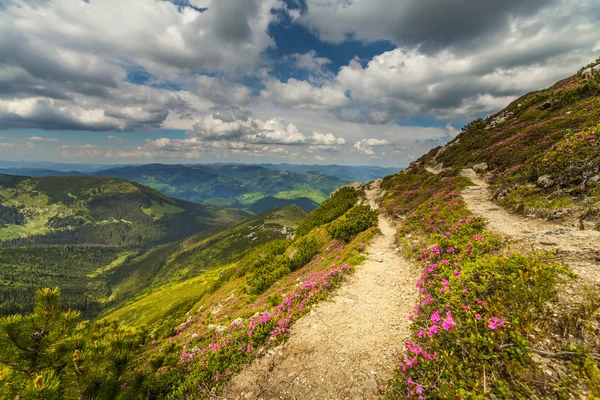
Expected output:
{"points": [[382, 194], [545, 181], [237, 321], [546, 105], [218, 328], [377, 257], [371, 384], [439, 167], [557, 214], [587, 225], [594, 179], [468, 173], [480, 167]]}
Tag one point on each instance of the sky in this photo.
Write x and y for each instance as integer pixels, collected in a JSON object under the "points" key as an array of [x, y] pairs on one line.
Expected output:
{"points": [[356, 82]]}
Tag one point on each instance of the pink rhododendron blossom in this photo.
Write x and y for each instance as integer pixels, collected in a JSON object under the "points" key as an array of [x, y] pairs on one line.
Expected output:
{"points": [[448, 322], [495, 322]]}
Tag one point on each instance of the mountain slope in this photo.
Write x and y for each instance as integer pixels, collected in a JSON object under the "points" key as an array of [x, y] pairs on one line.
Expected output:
{"points": [[169, 278], [352, 173], [246, 183], [541, 152], [102, 211], [508, 304]]}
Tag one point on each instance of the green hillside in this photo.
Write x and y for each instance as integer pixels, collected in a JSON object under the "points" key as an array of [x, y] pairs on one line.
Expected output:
{"points": [[498, 316], [170, 277], [74, 232], [541, 152], [229, 185], [99, 211]]}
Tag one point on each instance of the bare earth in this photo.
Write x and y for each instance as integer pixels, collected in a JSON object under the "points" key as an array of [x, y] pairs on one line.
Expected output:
{"points": [[345, 347], [576, 248]]}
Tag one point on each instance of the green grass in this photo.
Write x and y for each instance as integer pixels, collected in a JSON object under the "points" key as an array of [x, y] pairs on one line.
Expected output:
{"points": [[151, 308], [249, 198], [315, 195], [157, 210], [114, 264]]}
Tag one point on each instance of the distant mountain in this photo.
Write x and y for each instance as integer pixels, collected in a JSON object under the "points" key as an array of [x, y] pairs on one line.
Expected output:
{"points": [[269, 203], [346, 172], [52, 166], [238, 185], [100, 211], [36, 172]]}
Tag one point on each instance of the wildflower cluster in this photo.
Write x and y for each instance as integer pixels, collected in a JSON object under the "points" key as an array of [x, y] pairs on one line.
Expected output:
{"points": [[475, 306]]}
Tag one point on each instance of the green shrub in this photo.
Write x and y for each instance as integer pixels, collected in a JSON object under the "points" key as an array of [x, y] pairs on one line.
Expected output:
{"points": [[340, 202], [273, 267], [358, 219]]}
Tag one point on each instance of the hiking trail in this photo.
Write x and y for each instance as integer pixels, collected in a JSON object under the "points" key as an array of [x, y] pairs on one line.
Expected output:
{"points": [[344, 347], [578, 249]]}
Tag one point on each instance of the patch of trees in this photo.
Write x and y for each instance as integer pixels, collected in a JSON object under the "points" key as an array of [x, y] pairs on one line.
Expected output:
{"points": [[10, 215]]}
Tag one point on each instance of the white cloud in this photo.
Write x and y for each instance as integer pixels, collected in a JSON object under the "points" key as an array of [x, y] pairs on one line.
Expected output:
{"points": [[87, 150], [302, 95], [115, 138]]}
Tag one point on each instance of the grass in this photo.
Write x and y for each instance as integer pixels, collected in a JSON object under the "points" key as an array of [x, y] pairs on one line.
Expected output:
{"points": [[158, 211], [117, 262], [152, 307], [313, 194]]}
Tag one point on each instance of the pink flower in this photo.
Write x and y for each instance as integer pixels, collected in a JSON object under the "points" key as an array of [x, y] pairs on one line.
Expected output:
{"points": [[435, 317], [217, 377], [433, 330], [418, 389], [448, 322], [495, 322], [477, 316]]}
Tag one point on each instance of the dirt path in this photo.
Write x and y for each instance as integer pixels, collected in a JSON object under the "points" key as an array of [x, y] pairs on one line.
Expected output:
{"points": [[345, 347], [576, 248]]}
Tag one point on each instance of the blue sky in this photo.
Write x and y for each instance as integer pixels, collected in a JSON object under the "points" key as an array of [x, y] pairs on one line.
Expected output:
{"points": [[305, 81]]}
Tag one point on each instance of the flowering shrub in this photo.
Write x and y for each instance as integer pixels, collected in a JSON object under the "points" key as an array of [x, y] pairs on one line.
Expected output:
{"points": [[476, 307]]}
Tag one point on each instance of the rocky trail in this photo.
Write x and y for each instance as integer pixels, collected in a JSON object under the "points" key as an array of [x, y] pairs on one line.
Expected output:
{"points": [[578, 249], [346, 346]]}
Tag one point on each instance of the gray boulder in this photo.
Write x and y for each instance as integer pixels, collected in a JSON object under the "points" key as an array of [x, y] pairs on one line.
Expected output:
{"points": [[480, 167], [468, 173], [545, 181]]}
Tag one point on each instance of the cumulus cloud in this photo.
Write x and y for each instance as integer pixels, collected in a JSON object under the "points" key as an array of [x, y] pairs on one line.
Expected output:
{"points": [[231, 130], [369, 147], [446, 70], [302, 95], [236, 125], [65, 64], [426, 23]]}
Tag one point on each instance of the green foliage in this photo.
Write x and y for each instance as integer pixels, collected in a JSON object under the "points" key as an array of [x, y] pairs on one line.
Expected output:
{"points": [[10, 215], [479, 311], [340, 202], [33, 348], [357, 219], [73, 268], [90, 210]]}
